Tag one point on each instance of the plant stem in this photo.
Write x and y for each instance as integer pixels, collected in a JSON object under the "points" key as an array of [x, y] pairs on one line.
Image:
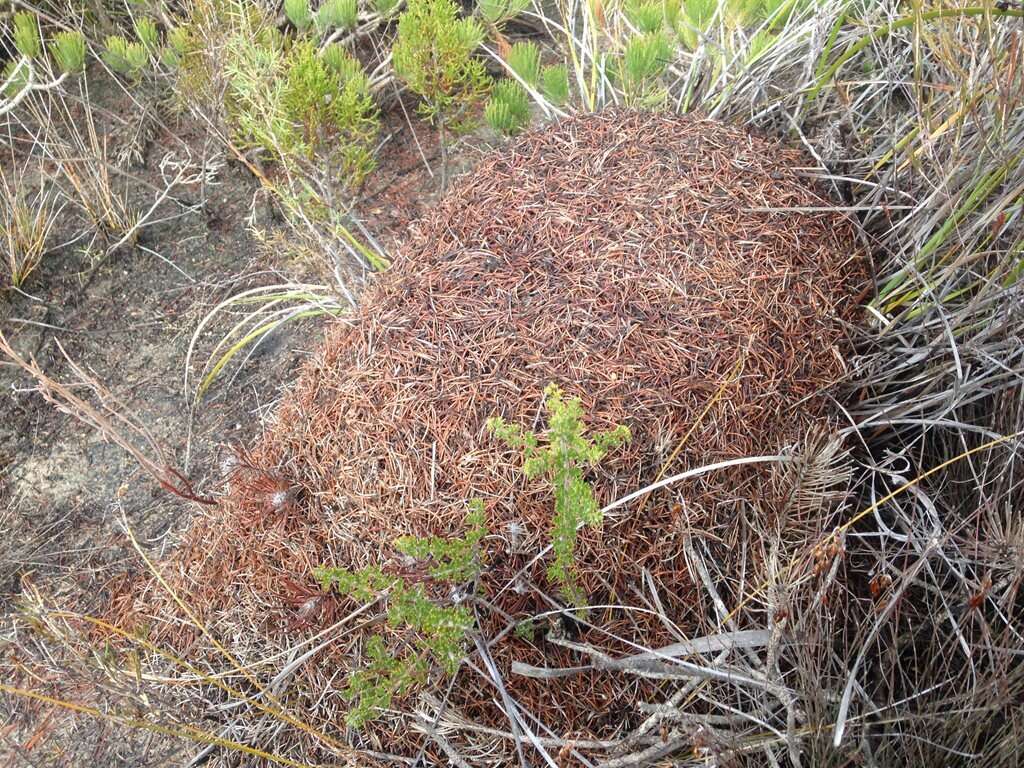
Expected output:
{"points": [[444, 154]]}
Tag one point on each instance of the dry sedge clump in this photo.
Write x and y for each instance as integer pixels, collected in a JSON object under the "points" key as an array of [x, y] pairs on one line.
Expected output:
{"points": [[681, 277]]}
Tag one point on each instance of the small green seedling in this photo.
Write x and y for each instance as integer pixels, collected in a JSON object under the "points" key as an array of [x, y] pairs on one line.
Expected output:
{"points": [[554, 84], [433, 55], [508, 110], [298, 13], [436, 634], [569, 451], [524, 59], [26, 35], [125, 57], [68, 51], [337, 14]]}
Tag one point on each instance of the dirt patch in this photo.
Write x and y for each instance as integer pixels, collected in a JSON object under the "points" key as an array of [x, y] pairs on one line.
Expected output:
{"points": [[127, 319]]}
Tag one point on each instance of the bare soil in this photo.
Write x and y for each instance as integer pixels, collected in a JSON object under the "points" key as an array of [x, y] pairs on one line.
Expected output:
{"points": [[65, 493]]}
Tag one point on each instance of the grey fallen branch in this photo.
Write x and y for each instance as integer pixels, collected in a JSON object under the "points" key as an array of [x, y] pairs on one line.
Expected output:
{"points": [[664, 663]]}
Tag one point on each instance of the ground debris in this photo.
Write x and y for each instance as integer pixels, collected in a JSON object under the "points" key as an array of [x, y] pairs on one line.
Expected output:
{"points": [[679, 275]]}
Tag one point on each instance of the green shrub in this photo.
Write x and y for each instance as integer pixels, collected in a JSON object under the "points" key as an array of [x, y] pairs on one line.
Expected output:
{"points": [[645, 15], [125, 57], [508, 110], [68, 51], [337, 14], [524, 59], [640, 66], [569, 451], [554, 84], [342, 63], [497, 12], [147, 33], [695, 20], [179, 42], [438, 632], [298, 13], [26, 34], [334, 109], [433, 54]]}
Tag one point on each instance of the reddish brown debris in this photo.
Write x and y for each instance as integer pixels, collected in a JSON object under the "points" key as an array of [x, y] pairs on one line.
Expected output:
{"points": [[631, 259]]}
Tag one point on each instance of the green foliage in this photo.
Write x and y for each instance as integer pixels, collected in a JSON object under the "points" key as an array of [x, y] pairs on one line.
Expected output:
{"points": [[342, 63], [125, 57], [646, 57], [651, 15], [526, 629], [508, 110], [385, 7], [695, 20], [554, 84], [569, 451], [452, 559], [433, 54], [302, 105], [497, 12], [746, 13], [337, 14], [372, 688], [298, 13], [524, 59], [435, 634], [15, 77], [643, 61], [26, 34], [147, 33], [68, 51], [331, 108], [179, 42]]}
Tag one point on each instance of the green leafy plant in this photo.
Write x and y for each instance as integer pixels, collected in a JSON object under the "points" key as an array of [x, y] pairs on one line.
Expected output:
{"points": [[554, 84], [385, 7], [125, 57], [68, 51], [644, 59], [435, 634], [346, 66], [179, 42], [433, 54], [649, 15], [497, 12], [26, 34], [147, 34], [334, 107], [337, 14], [508, 110], [524, 59], [695, 20], [298, 13], [568, 452]]}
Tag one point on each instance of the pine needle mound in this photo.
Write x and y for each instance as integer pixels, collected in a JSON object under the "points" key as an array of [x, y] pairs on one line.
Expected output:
{"points": [[682, 277]]}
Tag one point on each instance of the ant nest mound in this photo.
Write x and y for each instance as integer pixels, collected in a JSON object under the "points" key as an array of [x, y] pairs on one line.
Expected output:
{"points": [[679, 276]]}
